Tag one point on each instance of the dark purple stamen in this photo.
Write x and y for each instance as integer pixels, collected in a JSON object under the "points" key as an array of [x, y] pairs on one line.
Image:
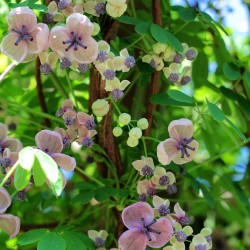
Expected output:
{"points": [[60, 112], [109, 74], [63, 4], [74, 41], [4, 162], [181, 236], [102, 56], [171, 189], [100, 8], [178, 58], [163, 210], [152, 63], [173, 77], [99, 242], [184, 220], [8, 182], [12, 126], [23, 35], [191, 54], [45, 69], [68, 121], [117, 94], [185, 80], [183, 146], [151, 192], [146, 170], [48, 18], [130, 62], [200, 247], [164, 180], [142, 197], [66, 142], [82, 67], [146, 229], [65, 63], [87, 142], [90, 124], [21, 195]]}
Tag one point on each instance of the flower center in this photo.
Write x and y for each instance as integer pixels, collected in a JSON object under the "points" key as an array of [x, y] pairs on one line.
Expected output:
{"points": [[146, 170], [173, 77], [90, 124], [99, 242], [163, 210], [164, 180], [171, 189], [129, 62], [146, 229], [23, 35], [68, 121], [87, 142], [181, 236], [102, 56], [109, 74], [66, 142], [178, 58], [82, 67], [65, 63], [74, 41], [183, 146], [100, 8], [184, 220], [45, 69], [200, 247], [4, 162]]}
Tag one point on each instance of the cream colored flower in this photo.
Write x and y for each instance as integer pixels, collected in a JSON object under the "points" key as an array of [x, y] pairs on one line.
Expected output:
{"points": [[116, 8]]}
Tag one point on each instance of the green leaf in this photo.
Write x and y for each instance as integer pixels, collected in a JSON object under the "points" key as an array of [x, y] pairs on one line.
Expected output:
{"points": [[237, 130], [231, 71], [246, 78], [206, 16], [57, 187], [200, 69], [101, 195], [163, 36], [128, 20], [143, 27], [163, 99], [38, 174], [48, 165], [27, 158], [207, 195], [32, 236], [21, 178], [187, 14], [73, 242], [52, 241], [216, 112], [40, 7], [84, 197], [179, 96]]}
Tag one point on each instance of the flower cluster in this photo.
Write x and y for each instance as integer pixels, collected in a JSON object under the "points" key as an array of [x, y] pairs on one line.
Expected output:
{"points": [[174, 72]]}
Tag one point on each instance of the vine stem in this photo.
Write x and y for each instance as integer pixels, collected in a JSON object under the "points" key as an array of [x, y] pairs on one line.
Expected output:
{"points": [[71, 90], [7, 176]]}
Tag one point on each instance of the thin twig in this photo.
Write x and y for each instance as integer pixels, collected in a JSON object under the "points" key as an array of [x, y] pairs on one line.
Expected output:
{"points": [[7, 70]]}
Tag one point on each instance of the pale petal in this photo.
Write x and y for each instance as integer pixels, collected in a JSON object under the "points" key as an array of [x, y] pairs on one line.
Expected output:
{"points": [[133, 214], [10, 224], [103, 46], [180, 129], [185, 47], [89, 8], [206, 231], [161, 154], [83, 117], [61, 131], [103, 234], [8, 47], [188, 230], [59, 34], [171, 177], [5, 200], [68, 104], [179, 246], [174, 67], [22, 16], [66, 162], [58, 17], [124, 84], [178, 160], [124, 53], [29, 57], [138, 165], [178, 210], [43, 56], [93, 234], [53, 58], [158, 201], [147, 58], [118, 63], [133, 239], [159, 171], [80, 25], [167, 150], [3, 131], [87, 55], [52, 7], [159, 240], [71, 134], [166, 72], [14, 145], [69, 113], [199, 239], [115, 11], [82, 131], [112, 84], [49, 140]]}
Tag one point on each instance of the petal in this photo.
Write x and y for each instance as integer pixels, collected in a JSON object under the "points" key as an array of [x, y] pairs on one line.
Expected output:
{"points": [[188, 230], [199, 239], [133, 214], [69, 113], [103, 234], [118, 63], [158, 201], [206, 231], [171, 177], [67, 103], [87, 55], [52, 58], [5, 200], [138, 165], [8, 47], [178, 160], [133, 239], [59, 34], [159, 240], [124, 53], [112, 84], [49, 140], [89, 8], [14, 145], [10, 224], [161, 154], [22, 16], [80, 25], [72, 134], [52, 7], [160, 171], [179, 246], [66, 162], [3, 131], [92, 234], [174, 67], [124, 84], [83, 117], [178, 210], [103, 46], [180, 129], [82, 131]]}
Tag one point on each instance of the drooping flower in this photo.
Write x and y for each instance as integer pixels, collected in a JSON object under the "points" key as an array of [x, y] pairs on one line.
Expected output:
{"points": [[86, 120], [123, 62], [161, 206], [116, 8], [85, 136], [162, 178], [75, 40], [116, 87], [67, 104], [50, 142], [181, 147], [199, 242], [7, 160], [146, 187], [70, 119], [26, 37], [180, 215], [67, 136], [48, 61], [185, 76], [143, 228], [13, 144], [9, 223], [99, 238], [145, 166], [95, 8], [172, 72]]}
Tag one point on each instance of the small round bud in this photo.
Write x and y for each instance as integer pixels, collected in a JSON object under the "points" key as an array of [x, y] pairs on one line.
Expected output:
{"points": [[184, 220], [100, 107], [135, 132], [173, 77], [96, 29], [142, 197], [124, 118], [117, 94], [117, 131], [191, 54], [185, 80], [45, 69], [181, 236], [142, 123], [171, 189], [132, 142]]}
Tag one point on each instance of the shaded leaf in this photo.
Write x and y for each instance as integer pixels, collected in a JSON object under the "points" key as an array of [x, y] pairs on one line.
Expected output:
{"points": [[143, 27], [21, 178], [216, 112], [231, 71], [31, 236], [180, 96], [164, 99], [237, 130], [52, 241]]}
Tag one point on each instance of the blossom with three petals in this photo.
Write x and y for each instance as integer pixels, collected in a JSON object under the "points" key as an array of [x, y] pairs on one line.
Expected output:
{"points": [[13, 144], [162, 178], [116, 87], [123, 62], [95, 8], [146, 187], [145, 166], [48, 61], [180, 215], [26, 38], [67, 104], [161, 206], [74, 40], [99, 238], [181, 147], [68, 136], [172, 72], [9, 223], [116, 8], [143, 228], [199, 242], [85, 136], [50, 142]]}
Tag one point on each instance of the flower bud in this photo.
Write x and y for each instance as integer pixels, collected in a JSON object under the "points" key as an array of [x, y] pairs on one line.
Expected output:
{"points": [[142, 123], [124, 118], [100, 107], [132, 142], [117, 131], [96, 29], [135, 133]]}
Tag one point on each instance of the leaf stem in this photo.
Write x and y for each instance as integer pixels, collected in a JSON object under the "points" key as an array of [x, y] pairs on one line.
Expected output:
{"points": [[7, 176]]}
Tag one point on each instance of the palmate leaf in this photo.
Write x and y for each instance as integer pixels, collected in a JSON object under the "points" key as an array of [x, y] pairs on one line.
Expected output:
{"points": [[32, 236], [31, 4], [21, 178], [52, 241]]}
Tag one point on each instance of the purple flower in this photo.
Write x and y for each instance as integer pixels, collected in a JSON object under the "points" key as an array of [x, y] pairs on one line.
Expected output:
{"points": [[143, 228]]}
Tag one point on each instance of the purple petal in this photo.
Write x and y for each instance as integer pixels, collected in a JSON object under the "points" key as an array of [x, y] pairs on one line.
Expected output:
{"points": [[50, 141], [13, 144], [133, 239], [10, 224], [64, 161], [5, 200], [3, 131], [159, 240], [133, 214]]}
